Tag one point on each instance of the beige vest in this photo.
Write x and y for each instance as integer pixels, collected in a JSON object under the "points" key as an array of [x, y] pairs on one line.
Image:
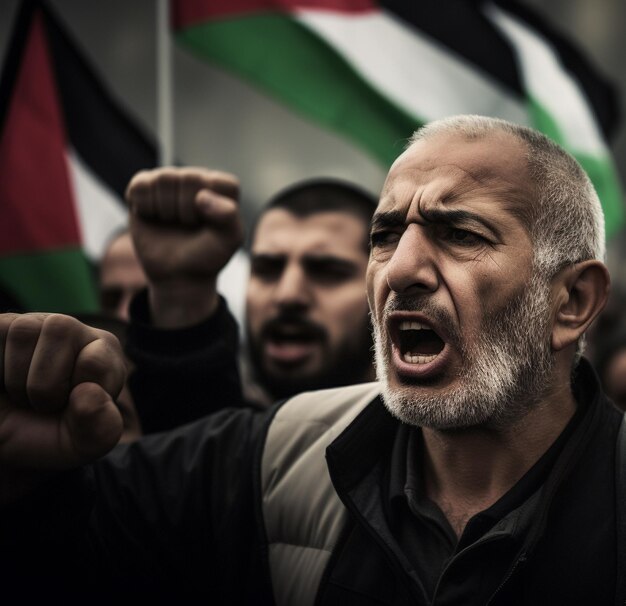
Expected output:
{"points": [[303, 514]]}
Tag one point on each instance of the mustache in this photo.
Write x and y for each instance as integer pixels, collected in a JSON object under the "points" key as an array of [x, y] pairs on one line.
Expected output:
{"points": [[440, 316], [415, 304], [293, 322]]}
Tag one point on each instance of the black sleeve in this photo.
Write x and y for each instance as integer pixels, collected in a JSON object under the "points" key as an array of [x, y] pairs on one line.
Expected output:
{"points": [[182, 375], [170, 519]]}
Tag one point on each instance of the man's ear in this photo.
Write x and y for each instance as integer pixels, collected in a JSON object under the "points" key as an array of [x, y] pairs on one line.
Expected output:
{"points": [[581, 294]]}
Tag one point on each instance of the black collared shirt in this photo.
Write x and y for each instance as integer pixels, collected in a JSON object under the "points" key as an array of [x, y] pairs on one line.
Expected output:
{"points": [[420, 528]]}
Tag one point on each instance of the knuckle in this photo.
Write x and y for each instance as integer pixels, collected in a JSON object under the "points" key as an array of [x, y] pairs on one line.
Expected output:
{"points": [[109, 341], [58, 326], [5, 323], [139, 184], [225, 184], [7, 318], [24, 329], [195, 173], [167, 179], [103, 360], [139, 179], [224, 177]]}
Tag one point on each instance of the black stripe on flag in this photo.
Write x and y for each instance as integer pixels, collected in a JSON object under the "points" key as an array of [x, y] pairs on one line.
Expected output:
{"points": [[600, 92], [462, 28], [108, 140]]}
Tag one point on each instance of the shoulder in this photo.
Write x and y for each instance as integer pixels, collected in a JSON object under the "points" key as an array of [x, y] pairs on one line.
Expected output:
{"points": [[327, 406], [307, 423]]}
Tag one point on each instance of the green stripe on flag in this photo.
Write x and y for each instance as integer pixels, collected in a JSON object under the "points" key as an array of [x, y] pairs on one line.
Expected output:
{"points": [[55, 281], [604, 177], [601, 170], [311, 78]]}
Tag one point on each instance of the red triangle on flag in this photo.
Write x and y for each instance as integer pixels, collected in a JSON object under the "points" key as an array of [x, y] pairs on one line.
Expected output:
{"points": [[37, 201]]}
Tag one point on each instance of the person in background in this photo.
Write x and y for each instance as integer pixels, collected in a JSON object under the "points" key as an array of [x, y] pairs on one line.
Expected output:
{"points": [[607, 347], [611, 366], [307, 324], [120, 276]]}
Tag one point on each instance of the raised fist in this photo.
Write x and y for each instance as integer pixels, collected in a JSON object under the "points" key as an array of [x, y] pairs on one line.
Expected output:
{"points": [[186, 226], [185, 221], [58, 382]]}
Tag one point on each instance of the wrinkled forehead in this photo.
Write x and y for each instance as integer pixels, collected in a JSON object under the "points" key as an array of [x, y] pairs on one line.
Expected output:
{"points": [[450, 168]]}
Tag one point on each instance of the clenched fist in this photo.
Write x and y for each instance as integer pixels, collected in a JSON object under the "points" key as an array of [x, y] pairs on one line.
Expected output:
{"points": [[186, 225], [58, 382]]}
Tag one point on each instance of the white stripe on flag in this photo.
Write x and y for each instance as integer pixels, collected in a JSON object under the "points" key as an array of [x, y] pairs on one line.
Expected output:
{"points": [[99, 212], [420, 76], [550, 84]]}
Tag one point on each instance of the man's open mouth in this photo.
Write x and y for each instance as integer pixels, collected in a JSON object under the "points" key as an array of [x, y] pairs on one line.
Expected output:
{"points": [[417, 342], [289, 342], [288, 333]]}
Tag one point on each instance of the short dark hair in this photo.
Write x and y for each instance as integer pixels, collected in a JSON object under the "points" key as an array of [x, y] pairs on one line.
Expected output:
{"points": [[313, 196]]}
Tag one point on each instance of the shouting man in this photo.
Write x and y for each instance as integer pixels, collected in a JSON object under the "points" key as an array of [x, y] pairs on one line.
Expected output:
{"points": [[480, 469]]}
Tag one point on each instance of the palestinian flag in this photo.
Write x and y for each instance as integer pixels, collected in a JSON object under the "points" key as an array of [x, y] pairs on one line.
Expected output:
{"points": [[375, 70], [67, 151]]}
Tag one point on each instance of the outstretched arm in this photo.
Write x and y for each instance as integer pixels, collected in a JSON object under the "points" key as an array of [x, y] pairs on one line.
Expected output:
{"points": [[169, 515]]}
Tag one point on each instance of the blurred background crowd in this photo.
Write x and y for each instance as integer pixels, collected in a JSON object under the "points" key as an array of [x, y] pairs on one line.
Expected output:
{"points": [[277, 92]]}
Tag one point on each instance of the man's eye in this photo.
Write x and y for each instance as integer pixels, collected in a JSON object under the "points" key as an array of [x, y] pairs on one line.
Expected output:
{"points": [[383, 238], [323, 273], [462, 236], [383, 244], [266, 269]]}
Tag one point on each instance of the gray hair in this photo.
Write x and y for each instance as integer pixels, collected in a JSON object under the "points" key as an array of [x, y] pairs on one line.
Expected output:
{"points": [[565, 220]]}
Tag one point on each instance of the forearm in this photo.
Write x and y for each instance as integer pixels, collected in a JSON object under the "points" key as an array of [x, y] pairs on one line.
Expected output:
{"points": [[180, 303], [182, 375]]}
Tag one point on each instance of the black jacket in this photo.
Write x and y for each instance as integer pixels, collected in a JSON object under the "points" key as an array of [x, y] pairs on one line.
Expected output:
{"points": [[182, 375], [175, 518]]}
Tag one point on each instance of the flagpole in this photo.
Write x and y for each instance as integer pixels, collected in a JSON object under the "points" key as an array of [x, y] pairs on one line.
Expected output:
{"points": [[165, 104]]}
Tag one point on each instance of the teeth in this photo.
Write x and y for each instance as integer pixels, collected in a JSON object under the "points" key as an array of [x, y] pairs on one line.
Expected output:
{"points": [[413, 359], [411, 325]]}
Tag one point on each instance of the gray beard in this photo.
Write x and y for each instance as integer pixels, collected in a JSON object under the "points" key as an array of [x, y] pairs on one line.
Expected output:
{"points": [[506, 368]]}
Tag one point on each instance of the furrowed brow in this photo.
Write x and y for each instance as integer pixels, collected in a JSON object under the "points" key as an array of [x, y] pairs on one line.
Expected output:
{"points": [[449, 215], [458, 217], [387, 220]]}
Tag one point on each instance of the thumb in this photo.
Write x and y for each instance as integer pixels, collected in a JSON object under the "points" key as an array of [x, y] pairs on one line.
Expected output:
{"points": [[87, 428], [92, 422]]}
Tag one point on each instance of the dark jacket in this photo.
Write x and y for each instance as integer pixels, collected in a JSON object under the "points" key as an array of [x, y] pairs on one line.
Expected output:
{"points": [[178, 517], [182, 375]]}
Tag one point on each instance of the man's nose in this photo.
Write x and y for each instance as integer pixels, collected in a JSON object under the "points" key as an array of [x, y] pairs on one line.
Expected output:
{"points": [[412, 268], [292, 289]]}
